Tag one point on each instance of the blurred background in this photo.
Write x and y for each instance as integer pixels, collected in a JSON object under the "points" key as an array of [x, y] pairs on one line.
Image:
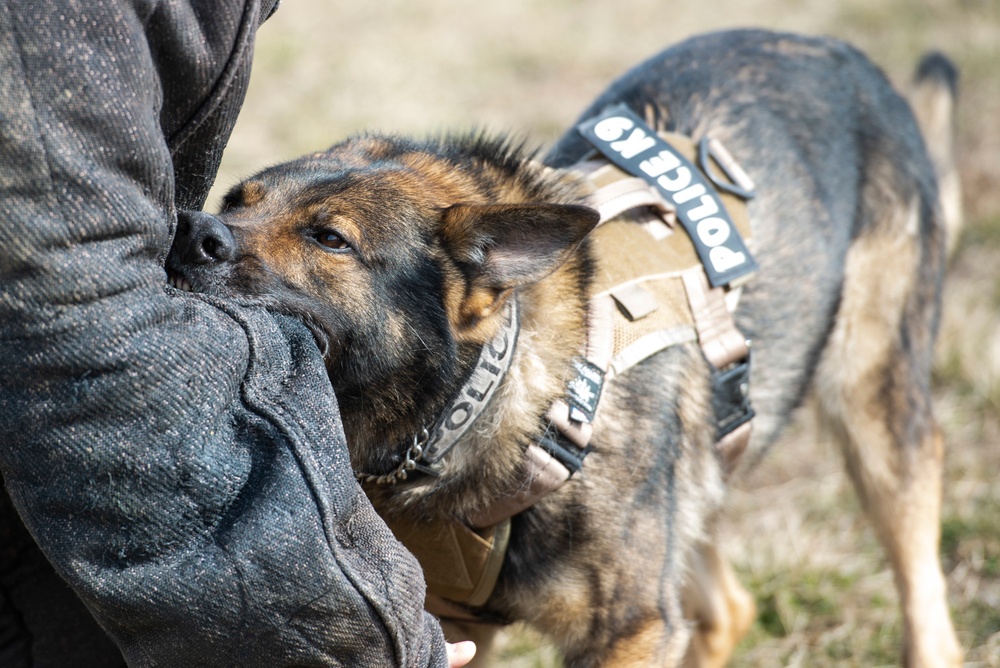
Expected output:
{"points": [[825, 595]]}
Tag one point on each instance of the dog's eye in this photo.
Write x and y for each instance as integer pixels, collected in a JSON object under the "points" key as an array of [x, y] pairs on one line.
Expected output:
{"points": [[331, 240]]}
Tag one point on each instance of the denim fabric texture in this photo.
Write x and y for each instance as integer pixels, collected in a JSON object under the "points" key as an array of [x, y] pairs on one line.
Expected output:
{"points": [[179, 460]]}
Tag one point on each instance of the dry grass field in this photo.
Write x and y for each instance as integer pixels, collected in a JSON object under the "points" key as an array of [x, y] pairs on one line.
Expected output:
{"points": [[824, 592]]}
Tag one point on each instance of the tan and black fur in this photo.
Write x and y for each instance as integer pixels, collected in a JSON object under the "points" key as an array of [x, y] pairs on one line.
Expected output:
{"points": [[399, 253]]}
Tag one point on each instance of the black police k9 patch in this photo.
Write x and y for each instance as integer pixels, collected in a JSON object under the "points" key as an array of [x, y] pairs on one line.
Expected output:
{"points": [[633, 146]]}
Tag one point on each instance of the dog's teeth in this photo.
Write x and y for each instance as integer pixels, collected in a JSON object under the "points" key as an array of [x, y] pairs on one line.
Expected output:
{"points": [[179, 283]]}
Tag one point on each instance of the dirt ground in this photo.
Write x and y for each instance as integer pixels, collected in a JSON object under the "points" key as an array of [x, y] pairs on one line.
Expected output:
{"points": [[824, 591]]}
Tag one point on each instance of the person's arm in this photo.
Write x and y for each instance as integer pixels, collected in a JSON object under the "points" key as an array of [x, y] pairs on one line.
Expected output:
{"points": [[179, 460]]}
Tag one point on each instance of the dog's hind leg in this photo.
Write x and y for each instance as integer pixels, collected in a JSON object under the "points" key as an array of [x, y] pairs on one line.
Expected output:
{"points": [[901, 495], [873, 387], [721, 609]]}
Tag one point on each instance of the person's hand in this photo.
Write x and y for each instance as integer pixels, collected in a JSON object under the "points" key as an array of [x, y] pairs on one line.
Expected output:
{"points": [[460, 653]]}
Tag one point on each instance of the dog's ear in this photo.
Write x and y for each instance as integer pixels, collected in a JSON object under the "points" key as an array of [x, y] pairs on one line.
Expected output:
{"points": [[500, 247]]}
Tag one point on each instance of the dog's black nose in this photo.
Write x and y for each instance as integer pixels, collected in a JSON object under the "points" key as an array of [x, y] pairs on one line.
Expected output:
{"points": [[202, 239]]}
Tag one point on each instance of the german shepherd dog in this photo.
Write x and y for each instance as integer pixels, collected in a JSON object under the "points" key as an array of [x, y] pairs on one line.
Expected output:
{"points": [[402, 255]]}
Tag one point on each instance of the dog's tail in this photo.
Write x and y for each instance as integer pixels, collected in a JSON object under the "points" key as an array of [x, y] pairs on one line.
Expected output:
{"points": [[933, 96]]}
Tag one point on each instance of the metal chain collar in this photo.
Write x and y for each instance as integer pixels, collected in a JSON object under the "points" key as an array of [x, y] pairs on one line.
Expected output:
{"points": [[409, 463]]}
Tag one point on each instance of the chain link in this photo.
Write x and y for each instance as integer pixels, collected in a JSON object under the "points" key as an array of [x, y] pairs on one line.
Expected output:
{"points": [[413, 453]]}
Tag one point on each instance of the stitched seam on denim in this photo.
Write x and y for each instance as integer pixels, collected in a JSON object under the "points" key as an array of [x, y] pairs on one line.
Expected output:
{"points": [[276, 413], [248, 25], [280, 416], [59, 204]]}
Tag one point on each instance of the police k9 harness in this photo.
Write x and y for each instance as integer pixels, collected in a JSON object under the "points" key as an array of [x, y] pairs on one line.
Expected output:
{"points": [[654, 288]]}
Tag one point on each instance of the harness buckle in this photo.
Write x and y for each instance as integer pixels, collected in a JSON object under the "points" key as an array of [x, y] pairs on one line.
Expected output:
{"points": [[731, 396]]}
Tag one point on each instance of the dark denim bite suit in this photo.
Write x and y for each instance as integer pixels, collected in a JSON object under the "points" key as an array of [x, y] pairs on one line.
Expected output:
{"points": [[179, 460]]}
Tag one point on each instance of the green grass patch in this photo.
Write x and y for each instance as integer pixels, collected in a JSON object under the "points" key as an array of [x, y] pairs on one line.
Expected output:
{"points": [[974, 538], [976, 622], [949, 374], [970, 544], [980, 521], [521, 647], [837, 618], [795, 601], [981, 232]]}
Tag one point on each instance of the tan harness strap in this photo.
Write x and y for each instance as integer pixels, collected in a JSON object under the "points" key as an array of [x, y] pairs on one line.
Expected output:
{"points": [[624, 195], [542, 474], [444, 609], [722, 343], [731, 446]]}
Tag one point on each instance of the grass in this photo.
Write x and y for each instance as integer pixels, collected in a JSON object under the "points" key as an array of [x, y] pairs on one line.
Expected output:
{"points": [[793, 530], [982, 232]]}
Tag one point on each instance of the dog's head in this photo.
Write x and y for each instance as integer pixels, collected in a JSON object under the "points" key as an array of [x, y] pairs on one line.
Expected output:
{"points": [[398, 255]]}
